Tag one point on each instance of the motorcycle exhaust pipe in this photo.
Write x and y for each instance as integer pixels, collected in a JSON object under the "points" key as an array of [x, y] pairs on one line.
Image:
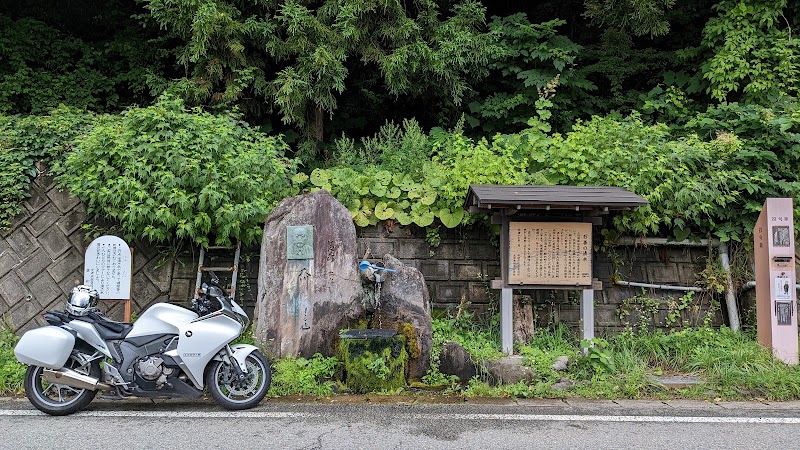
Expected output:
{"points": [[74, 379]]}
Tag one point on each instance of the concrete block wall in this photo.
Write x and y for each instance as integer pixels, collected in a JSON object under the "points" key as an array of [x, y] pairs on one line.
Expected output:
{"points": [[461, 266], [41, 259], [654, 265], [458, 268]]}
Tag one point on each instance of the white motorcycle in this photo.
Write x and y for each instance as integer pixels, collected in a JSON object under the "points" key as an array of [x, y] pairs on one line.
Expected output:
{"points": [[169, 351]]}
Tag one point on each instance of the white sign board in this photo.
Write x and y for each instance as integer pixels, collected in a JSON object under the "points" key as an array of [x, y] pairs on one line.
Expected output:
{"points": [[107, 268]]}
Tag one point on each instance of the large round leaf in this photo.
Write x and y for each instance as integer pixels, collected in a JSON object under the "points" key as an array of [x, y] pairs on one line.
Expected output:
{"points": [[384, 177], [415, 191], [393, 192], [428, 198], [363, 184], [353, 204], [399, 179], [383, 211], [451, 219], [367, 203], [378, 189], [360, 218], [424, 219], [403, 217], [319, 177]]}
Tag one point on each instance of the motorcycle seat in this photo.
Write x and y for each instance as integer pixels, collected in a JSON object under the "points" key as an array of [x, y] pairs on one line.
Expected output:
{"points": [[108, 329]]}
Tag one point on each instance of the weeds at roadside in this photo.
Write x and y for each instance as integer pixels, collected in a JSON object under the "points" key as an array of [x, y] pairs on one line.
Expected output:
{"points": [[11, 371], [730, 365], [312, 376]]}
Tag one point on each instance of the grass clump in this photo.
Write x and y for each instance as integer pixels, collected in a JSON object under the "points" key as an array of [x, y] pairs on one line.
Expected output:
{"points": [[11, 371], [734, 365], [480, 338], [730, 365], [311, 376]]}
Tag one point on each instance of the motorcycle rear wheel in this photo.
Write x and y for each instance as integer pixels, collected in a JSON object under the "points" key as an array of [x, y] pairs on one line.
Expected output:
{"points": [[240, 394], [59, 399]]}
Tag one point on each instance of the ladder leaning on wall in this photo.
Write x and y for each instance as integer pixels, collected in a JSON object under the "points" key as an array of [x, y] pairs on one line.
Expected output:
{"points": [[233, 269]]}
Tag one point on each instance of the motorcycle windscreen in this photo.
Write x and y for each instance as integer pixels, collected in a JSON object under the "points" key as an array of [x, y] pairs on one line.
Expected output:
{"points": [[47, 347]]}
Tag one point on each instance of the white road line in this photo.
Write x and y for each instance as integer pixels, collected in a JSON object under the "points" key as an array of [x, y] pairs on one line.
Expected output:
{"points": [[495, 417], [586, 418], [169, 414]]}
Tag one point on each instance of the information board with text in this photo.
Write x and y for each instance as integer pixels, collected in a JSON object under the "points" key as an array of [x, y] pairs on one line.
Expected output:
{"points": [[550, 253], [108, 269]]}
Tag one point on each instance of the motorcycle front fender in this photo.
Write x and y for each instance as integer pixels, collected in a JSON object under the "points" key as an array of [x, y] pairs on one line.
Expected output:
{"points": [[240, 352]]}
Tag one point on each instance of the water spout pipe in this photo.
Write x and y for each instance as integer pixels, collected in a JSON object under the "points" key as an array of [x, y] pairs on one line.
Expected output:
{"points": [[367, 265], [752, 284]]}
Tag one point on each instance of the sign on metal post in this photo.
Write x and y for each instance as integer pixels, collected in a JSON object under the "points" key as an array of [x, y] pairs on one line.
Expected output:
{"points": [[776, 294], [108, 268]]}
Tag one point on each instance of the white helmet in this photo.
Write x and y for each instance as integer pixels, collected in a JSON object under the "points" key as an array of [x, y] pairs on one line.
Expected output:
{"points": [[82, 301]]}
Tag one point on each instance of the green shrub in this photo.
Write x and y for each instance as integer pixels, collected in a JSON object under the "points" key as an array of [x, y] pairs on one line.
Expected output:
{"points": [[408, 177], [691, 184], [24, 140], [163, 172]]}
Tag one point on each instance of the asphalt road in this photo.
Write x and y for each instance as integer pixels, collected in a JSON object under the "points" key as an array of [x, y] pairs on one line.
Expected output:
{"points": [[361, 423]]}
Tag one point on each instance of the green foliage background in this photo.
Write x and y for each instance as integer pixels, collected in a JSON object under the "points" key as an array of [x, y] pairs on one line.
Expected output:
{"points": [[397, 108]]}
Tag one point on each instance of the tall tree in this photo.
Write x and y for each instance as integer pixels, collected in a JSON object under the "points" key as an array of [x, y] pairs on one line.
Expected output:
{"points": [[752, 54], [295, 56]]}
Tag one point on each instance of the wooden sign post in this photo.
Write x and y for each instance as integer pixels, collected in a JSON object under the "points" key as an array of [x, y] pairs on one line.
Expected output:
{"points": [[546, 240], [108, 268]]}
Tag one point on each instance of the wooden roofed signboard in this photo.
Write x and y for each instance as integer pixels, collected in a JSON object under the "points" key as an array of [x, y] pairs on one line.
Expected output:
{"points": [[546, 240], [546, 237], [493, 198]]}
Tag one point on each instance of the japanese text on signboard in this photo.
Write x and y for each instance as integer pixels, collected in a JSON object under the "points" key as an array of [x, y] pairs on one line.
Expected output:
{"points": [[107, 267], [550, 253]]}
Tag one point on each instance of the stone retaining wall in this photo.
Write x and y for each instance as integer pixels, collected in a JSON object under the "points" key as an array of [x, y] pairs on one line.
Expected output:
{"points": [[41, 259], [460, 267]]}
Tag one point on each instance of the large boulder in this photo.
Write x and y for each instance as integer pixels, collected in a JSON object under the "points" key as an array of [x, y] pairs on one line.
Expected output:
{"points": [[508, 370], [404, 301], [304, 302], [456, 360]]}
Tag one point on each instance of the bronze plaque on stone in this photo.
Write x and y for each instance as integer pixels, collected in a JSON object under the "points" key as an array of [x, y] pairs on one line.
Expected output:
{"points": [[300, 242], [550, 253]]}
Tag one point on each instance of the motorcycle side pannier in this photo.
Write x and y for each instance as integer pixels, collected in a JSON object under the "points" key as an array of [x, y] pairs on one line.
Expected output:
{"points": [[47, 347]]}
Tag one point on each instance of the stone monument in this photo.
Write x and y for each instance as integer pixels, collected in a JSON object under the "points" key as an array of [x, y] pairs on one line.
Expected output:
{"points": [[308, 282]]}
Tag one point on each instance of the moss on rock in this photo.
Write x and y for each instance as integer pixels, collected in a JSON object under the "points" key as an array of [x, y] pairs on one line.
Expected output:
{"points": [[410, 334], [373, 364]]}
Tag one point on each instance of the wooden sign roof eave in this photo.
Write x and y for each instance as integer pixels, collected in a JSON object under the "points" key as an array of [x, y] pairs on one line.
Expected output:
{"points": [[491, 198]]}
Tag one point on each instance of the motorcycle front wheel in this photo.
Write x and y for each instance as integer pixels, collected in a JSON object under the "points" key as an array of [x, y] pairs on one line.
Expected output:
{"points": [[60, 399], [239, 394]]}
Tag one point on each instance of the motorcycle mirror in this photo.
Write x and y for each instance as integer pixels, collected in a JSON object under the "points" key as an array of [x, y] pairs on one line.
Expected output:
{"points": [[214, 277]]}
